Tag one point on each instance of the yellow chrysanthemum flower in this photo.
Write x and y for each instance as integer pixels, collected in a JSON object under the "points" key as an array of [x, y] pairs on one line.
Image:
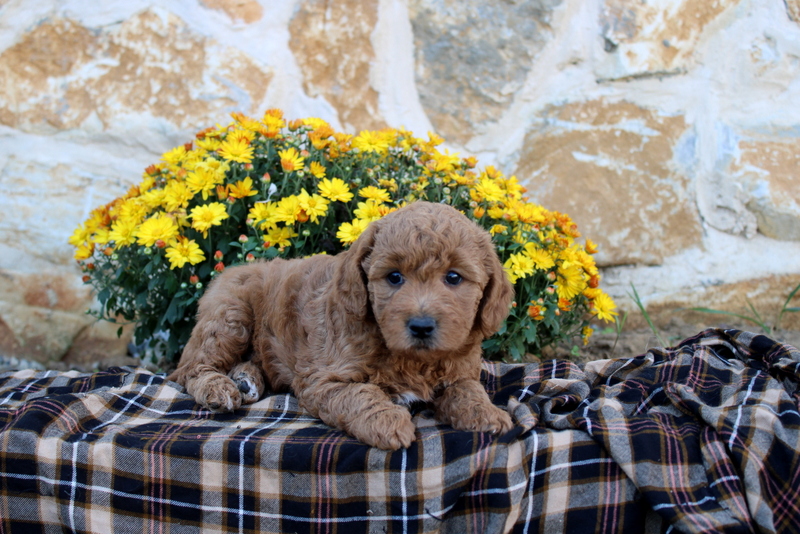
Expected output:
{"points": [[374, 193], [335, 189], [315, 206], [123, 232], [280, 237], [317, 169], [371, 210], [158, 227], [368, 141], [182, 251], [210, 144], [498, 229], [518, 266], [571, 280], [242, 189], [246, 122], [204, 180], [176, 195], [236, 148], [174, 156], [208, 215], [262, 215], [445, 162], [349, 232], [603, 307], [288, 210], [80, 235], [487, 190], [83, 251], [541, 259], [291, 160]]}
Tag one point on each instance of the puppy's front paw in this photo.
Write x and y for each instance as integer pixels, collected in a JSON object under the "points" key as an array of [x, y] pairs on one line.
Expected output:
{"points": [[482, 418], [216, 392], [388, 429], [249, 380]]}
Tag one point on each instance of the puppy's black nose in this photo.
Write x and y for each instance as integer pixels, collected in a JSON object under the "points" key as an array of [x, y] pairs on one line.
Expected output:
{"points": [[421, 327]]}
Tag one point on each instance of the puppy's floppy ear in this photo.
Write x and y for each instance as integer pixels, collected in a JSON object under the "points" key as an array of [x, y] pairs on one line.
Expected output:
{"points": [[350, 278], [497, 295]]}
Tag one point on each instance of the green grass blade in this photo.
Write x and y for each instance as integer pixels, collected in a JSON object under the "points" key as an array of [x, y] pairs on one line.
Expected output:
{"points": [[646, 315]]}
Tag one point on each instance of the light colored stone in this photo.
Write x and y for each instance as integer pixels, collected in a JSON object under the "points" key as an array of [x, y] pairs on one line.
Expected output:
{"points": [[472, 57], [62, 75], [654, 38], [613, 168], [331, 43]]}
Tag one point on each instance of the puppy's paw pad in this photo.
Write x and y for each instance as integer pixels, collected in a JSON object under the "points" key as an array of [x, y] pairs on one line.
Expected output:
{"points": [[248, 388], [220, 395]]}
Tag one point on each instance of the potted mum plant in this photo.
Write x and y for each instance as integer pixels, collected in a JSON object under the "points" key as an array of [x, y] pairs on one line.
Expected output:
{"points": [[267, 188]]}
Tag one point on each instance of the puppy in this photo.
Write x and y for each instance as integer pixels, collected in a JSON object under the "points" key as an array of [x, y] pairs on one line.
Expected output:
{"points": [[399, 317]]}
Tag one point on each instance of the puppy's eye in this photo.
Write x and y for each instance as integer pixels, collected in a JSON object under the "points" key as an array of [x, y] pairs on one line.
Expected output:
{"points": [[453, 278], [395, 278]]}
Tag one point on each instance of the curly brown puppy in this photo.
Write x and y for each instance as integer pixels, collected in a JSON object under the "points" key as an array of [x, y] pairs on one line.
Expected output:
{"points": [[398, 317]]}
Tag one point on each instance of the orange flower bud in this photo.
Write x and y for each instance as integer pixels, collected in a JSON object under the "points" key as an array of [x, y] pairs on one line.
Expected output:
{"points": [[219, 267], [218, 255], [266, 177], [267, 244], [86, 278], [108, 251], [249, 258], [194, 279], [90, 266], [242, 238], [594, 281], [161, 243], [248, 166]]}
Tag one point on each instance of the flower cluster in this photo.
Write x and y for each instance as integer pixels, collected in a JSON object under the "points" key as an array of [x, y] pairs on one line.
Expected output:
{"points": [[267, 188]]}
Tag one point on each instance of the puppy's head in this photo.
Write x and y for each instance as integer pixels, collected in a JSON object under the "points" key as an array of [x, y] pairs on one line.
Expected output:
{"points": [[433, 280]]}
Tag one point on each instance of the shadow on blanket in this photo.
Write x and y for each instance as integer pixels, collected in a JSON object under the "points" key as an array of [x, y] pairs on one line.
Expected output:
{"points": [[704, 437]]}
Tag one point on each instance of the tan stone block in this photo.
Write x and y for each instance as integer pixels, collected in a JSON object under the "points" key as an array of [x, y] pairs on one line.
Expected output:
{"points": [[39, 334], [768, 171], [653, 38], [331, 43], [245, 10], [612, 167], [61, 74], [767, 295], [472, 57]]}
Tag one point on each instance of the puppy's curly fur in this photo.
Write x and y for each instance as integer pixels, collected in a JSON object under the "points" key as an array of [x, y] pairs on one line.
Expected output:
{"points": [[398, 317]]}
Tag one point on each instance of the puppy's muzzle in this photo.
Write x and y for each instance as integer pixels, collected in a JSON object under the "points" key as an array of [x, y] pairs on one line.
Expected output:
{"points": [[421, 328]]}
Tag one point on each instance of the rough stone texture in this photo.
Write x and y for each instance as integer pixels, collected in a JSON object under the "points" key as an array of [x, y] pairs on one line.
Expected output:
{"points": [[669, 130], [247, 11], [768, 172], [62, 75], [656, 38], [473, 57], [793, 9], [331, 43], [619, 162]]}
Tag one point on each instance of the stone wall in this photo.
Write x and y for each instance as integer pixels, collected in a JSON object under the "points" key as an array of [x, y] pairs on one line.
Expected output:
{"points": [[668, 129]]}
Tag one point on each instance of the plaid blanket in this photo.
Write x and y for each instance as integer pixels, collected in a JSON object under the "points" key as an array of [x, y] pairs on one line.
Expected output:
{"points": [[704, 437]]}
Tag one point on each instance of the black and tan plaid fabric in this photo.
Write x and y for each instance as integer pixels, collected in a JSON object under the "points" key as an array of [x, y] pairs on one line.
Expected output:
{"points": [[701, 438]]}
